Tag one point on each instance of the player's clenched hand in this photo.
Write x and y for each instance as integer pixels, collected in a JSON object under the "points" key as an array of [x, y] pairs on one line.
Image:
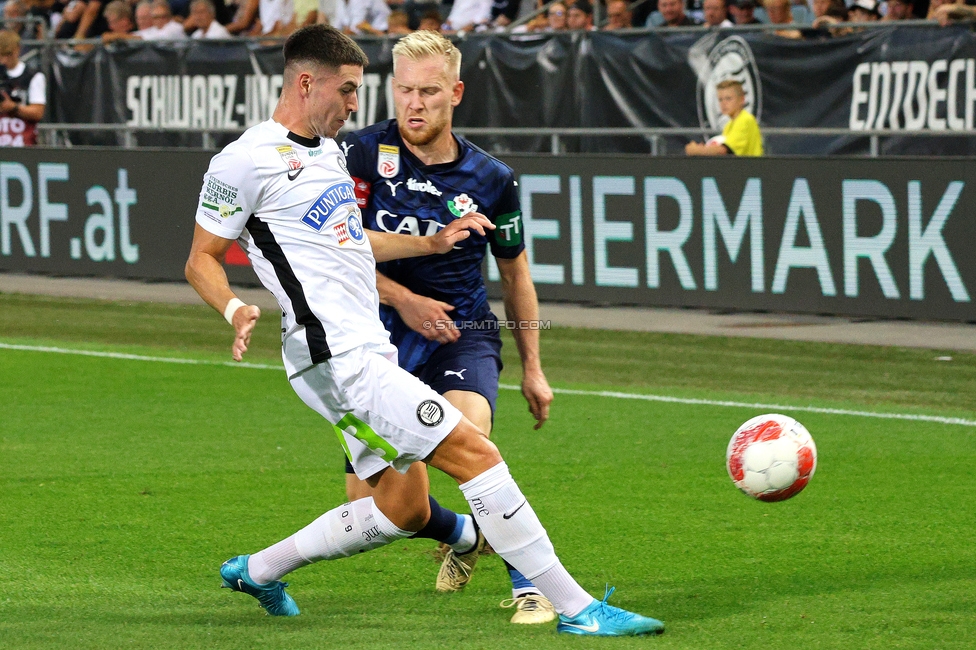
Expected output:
{"points": [[458, 230], [538, 394], [429, 317], [245, 318]]}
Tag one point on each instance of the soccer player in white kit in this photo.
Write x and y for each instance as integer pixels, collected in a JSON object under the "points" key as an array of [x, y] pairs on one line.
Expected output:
{"points": [[283, 193]]}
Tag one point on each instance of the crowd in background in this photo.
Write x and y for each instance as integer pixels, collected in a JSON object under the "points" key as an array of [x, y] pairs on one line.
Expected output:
{"points": [[176, 19]]}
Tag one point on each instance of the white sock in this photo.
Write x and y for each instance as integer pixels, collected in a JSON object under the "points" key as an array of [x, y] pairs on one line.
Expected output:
{"points": [[275, 561], [351, 528], [515, 532]]}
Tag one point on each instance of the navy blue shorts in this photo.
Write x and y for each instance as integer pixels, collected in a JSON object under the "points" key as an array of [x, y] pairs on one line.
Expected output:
{"points": [[472, 363]]}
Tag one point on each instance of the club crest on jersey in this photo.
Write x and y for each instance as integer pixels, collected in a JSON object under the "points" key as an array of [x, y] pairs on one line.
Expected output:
{"points": [[388, 161], [290, 156], [461, 205], [335, 197]]}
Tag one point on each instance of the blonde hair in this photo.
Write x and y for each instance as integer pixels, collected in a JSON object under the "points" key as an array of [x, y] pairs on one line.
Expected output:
{"points": [[422, 44], [731, 83], [9, 42]]}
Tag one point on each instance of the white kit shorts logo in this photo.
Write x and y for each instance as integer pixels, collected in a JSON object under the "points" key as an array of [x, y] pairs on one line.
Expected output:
{"points": [[430, 413], [335, 197], [714, 62]]}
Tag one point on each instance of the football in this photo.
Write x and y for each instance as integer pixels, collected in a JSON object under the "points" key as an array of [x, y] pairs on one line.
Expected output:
{"points": [[771, 457]]}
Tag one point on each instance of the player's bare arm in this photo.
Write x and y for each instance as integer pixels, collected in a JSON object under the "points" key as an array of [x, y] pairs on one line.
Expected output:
{"points": [[521, 304], [387, 246], [420, 313], [205, 273]]}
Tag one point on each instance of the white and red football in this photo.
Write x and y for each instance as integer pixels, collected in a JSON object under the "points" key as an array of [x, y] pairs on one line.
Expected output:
{"points": [[771, 457]]}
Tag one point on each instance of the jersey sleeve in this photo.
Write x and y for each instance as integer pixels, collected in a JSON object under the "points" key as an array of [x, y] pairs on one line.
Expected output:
{"points": [[37, 90], [229, 194], [507, 239], [359, 164]]}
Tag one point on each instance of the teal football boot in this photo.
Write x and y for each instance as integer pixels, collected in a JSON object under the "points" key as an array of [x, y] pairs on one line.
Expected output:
{"points": [[601, 619], [272, 596]]}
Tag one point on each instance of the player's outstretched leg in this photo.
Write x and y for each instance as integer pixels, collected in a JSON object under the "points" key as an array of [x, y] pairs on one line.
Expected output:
{"points": [[512, 528], [349, 529]]}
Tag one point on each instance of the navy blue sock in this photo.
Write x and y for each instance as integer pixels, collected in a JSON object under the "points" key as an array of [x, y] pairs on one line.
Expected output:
{"points": [[519, 581], [444, 525]]}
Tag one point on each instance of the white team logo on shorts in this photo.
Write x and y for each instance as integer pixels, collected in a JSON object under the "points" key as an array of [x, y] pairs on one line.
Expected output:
{"points": [[430, 413]]}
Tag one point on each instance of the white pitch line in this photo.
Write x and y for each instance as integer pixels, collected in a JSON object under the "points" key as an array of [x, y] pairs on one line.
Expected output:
{"points": [[561, 391]]}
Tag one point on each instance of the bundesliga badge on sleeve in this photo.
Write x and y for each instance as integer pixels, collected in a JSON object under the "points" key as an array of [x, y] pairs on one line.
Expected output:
{"points": [[388, 161]]}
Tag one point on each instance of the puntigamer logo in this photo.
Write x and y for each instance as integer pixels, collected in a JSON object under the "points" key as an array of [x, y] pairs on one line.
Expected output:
{"points": [[332, 199]]}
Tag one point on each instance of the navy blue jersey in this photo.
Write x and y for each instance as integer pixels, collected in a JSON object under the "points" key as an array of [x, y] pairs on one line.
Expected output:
{"points": [[399, 194]]}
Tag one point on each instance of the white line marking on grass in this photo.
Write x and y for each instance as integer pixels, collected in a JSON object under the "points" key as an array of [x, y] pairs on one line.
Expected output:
{"points": [[561, 391], [766, 407], [138, 357]]}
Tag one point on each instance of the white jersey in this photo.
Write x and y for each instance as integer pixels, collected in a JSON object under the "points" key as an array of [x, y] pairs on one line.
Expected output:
{"points": [[290, 203]]}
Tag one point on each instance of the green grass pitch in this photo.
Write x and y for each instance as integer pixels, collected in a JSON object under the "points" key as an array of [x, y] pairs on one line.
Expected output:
{"points": [[124, 484]]}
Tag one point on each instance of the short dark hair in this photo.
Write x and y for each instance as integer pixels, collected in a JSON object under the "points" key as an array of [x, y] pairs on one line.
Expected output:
{"points": [[325, 46]]}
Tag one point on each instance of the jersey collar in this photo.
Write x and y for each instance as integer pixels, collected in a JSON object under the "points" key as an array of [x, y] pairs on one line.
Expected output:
{"points": [[311, 143]]}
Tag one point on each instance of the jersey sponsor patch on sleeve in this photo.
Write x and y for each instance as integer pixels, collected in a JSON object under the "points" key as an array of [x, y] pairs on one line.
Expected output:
{"points": [[508, 229], [219, 198]]}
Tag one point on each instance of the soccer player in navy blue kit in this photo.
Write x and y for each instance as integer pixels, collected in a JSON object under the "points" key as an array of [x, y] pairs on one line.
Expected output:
{"points": [[413, 175]]}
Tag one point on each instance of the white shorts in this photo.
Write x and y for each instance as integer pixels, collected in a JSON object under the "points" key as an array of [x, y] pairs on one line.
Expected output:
{"points": [[382, 415]]}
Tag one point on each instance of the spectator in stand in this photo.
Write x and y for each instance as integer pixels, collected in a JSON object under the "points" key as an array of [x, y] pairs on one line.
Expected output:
{"points": [[431, 21], [949, 14], [275, 16], [580, 15], [741, 136], [164, 27], [504, 12], [92, 23], [466, 15], [820, 8], [367, 17], [118, 15], [556, 17], [245, 20], [673, 12], [23, 97], [330, 12], [203, 21], [836, 13], [716, 13], [398, 23], [14, 13], [935, 4], [143, 13], [743, 12], [864, 11], [70, 18], [779, 13], [618, 15], [900, 10]]}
